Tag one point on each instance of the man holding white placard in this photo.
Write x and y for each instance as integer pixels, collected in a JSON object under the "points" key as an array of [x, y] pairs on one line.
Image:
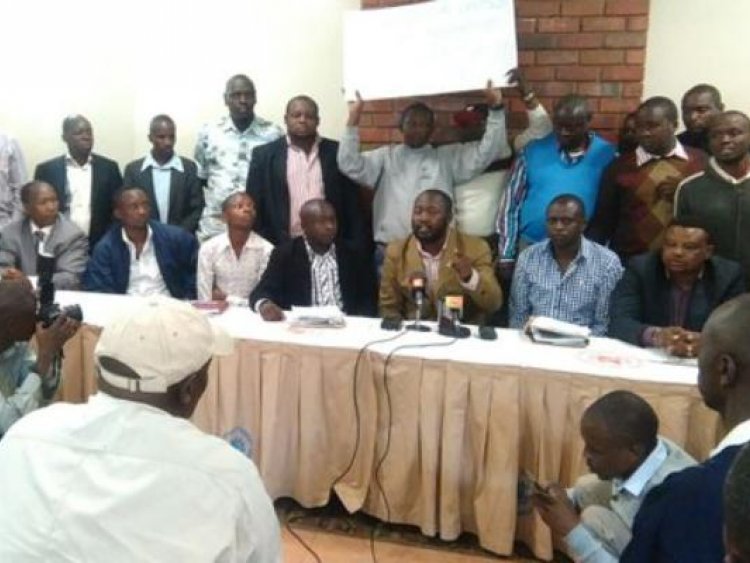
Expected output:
{"points": [[399, 172]]}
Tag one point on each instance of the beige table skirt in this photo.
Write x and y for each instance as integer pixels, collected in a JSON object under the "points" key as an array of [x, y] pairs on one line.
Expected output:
{"points": [[458, 436]]}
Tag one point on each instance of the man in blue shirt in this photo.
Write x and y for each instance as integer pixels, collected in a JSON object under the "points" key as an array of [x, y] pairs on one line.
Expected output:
{"points": [[567, 277], [571, 159]]}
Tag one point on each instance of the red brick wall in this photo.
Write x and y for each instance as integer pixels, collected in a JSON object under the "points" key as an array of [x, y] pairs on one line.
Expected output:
{"points": [[591, 47]]}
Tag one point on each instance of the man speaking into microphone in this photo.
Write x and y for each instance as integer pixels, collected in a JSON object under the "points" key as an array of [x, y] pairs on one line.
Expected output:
{"points": [[434, 261]]}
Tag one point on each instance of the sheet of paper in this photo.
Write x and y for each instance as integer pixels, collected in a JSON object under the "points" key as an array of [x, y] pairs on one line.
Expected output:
{"points": [[428, 48]]}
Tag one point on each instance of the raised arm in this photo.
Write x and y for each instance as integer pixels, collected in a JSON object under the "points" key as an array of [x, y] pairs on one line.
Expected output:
{"points": [[363, 167]]}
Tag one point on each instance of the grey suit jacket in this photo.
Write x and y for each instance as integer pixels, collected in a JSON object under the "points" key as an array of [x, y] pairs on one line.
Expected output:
{"points": [[67, 243], [186, 199]]}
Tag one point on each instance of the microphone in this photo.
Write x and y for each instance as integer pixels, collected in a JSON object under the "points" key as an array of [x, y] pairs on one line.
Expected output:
{"points": [[417, 284], [449, 325]]}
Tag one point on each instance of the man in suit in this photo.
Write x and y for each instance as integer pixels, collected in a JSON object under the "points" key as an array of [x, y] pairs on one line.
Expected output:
{"points": [[664, 298], [628, 459], [312, 269], [286, 173], [171, 181], [85, 181], [139, 256], [737, 509], [43, 228], [450, 262]]}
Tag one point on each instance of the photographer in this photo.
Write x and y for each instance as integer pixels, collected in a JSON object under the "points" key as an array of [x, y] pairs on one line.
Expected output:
{"points": [[27, 380]]}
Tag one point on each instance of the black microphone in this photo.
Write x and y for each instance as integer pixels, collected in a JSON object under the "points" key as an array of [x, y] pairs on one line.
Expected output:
{"points": [[417, 285]]}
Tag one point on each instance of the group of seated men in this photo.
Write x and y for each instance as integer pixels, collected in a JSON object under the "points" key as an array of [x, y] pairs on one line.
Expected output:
{"points": [[279, 224], [639, 242]]}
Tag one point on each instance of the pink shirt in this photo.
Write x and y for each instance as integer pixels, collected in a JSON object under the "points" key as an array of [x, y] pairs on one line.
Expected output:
{"points": [[304, 177]]}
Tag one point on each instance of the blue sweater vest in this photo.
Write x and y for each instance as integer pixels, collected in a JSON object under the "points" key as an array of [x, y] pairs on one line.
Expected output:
{"points": [[548, 175]]}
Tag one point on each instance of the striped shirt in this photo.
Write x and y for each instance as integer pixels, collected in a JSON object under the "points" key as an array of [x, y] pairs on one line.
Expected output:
{"points": [[324, 274], [579, 295], [304, 177]]}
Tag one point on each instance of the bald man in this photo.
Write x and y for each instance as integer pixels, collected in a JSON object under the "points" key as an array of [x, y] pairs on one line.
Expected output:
{"points": [[27, 380], [681, 520], [85, 181], [316, 269], [628, 459]]}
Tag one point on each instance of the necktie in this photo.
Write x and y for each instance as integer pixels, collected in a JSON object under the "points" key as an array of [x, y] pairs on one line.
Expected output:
{"points": [[40, 241]]}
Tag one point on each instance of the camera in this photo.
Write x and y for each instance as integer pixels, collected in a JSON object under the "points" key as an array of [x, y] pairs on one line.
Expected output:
{"points": [[49, 311]]}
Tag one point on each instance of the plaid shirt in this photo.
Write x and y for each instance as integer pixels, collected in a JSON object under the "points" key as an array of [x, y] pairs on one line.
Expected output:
{"points": [[580, 295]]}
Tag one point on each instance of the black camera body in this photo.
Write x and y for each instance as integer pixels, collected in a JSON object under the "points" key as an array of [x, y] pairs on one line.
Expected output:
{"points": [[48, 310]]}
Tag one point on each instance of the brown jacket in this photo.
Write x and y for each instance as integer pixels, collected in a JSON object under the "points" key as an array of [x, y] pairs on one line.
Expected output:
{"points": [[402, 258]]}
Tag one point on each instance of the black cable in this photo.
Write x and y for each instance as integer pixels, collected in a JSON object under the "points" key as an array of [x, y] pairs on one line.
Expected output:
{"points": [[357, 414], [390, 426], [302, 542]]}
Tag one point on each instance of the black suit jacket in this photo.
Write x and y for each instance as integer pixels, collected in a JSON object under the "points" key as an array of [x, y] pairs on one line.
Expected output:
{"points": [[105, 181], [287, 280], [642, 296], [266, 183], [185, 192]]}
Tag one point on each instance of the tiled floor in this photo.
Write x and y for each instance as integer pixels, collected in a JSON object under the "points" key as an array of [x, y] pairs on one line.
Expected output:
{"points": [[336, 548]]}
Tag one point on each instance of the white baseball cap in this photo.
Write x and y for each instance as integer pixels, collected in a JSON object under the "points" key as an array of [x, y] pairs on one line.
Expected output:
{"points": [[162, 341]]}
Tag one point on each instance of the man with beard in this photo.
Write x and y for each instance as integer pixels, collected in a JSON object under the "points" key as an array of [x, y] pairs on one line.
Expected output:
{"points": [[85, 181], [447, 261], [566, 277], [699, 105], [720, 195], [296, 168]]}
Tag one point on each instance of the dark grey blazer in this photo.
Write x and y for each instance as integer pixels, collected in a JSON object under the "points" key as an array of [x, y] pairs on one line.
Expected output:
{"points": [[67, 243], [186, 200]]}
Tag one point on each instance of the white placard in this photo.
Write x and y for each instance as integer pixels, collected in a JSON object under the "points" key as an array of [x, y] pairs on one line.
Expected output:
{"points": [[428, 48]]}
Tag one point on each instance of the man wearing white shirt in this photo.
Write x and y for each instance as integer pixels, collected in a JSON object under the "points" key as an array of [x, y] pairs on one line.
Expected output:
{"points": [[231, 264], [139, 256], [126, 477], [85, 181]]}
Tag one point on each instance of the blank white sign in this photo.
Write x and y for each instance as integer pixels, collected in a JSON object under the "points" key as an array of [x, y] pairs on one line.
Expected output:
{"points": [[428, 48]]}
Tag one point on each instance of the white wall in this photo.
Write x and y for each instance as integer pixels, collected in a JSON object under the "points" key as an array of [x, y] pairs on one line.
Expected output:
{"points": [[693, 41], [120, 63]]}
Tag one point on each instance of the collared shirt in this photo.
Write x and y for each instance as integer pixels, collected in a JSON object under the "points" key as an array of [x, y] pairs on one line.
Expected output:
{"points": [[579, 295], [12, 176], [145, 275], [161, 174], [399, 173], [721, 173], [223, 156], [737, 436], [89, 493], [78, 191], [582, 543], [324, 273], [643, 157], [218, 266], [43, 237], [22, 390], [432, 267], [635, 484], [304, 176]]}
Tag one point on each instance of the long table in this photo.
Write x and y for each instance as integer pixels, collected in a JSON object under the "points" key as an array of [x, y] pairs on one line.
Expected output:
{"points": [[440, 429]]}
